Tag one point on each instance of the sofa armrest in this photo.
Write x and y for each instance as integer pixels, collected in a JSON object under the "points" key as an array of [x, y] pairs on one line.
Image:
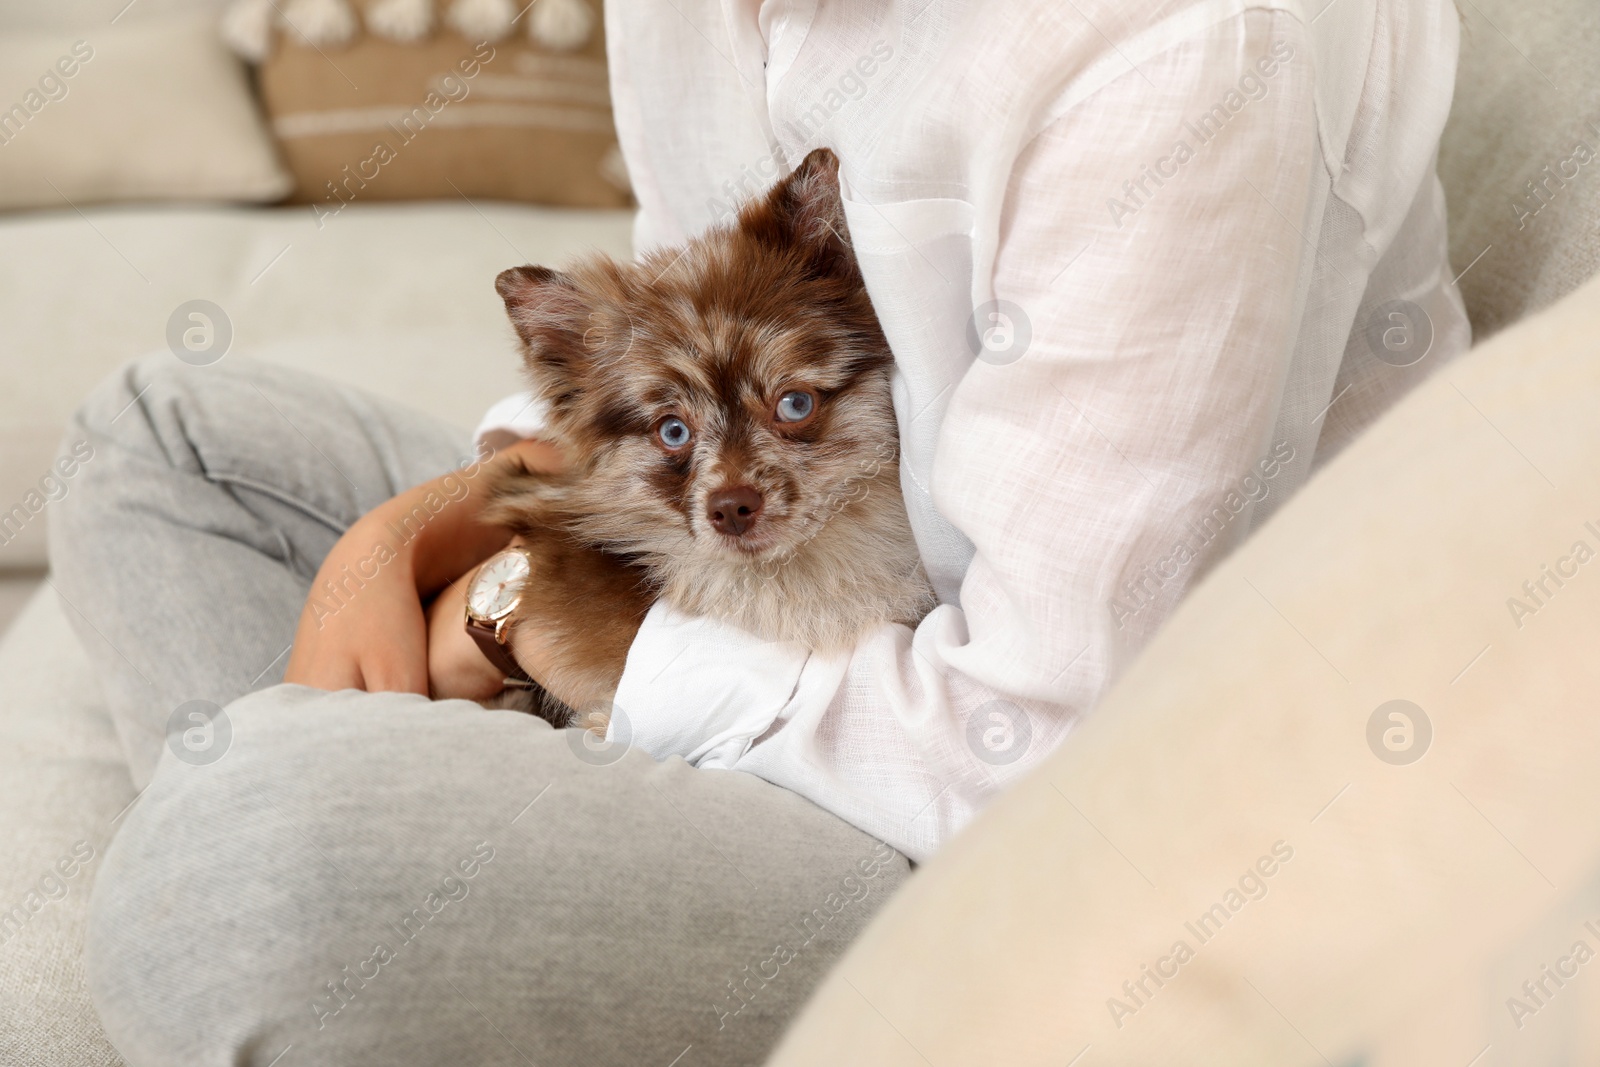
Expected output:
{"points": [[1244, 790]]}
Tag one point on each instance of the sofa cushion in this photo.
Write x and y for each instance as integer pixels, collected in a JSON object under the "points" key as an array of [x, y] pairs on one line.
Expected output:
{"points": [[1520, 159], [63, 789], [79, 15], [396, 299], [445, 118], [157, 110]]}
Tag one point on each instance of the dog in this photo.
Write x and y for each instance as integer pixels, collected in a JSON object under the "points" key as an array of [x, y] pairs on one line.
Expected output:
{"points": [[726, 414]]}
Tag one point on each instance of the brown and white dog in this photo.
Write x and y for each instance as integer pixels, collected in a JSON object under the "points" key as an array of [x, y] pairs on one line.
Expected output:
{"points": [[725, 412]]}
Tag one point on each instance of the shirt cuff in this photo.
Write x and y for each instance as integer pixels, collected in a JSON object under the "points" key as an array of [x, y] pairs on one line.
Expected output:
{"points": [[701, 688], [516, 418]]}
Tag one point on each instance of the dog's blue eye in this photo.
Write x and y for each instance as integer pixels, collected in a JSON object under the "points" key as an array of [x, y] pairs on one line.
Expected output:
{"points": [[796, 405], [674, 433]]}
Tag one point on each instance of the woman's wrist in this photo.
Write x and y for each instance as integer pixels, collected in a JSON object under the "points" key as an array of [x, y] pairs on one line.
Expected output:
{"points": [[442, 523]]}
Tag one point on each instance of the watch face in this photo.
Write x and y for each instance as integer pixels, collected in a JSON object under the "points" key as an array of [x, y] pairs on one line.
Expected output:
{"points": [[498, 584]]}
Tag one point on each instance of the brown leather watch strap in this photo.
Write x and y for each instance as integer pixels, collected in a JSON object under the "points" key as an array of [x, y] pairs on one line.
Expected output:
{"points": [[486, 635]]}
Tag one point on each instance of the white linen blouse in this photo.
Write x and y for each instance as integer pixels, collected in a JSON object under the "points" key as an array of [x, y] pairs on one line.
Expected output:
{"points": [[1144, 266]]}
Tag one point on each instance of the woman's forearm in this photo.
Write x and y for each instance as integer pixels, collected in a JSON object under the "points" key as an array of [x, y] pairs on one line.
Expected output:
{"points": [[436, 530], [363, 625]]}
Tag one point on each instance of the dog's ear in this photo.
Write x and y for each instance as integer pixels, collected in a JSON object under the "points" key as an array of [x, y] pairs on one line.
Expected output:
{"points": [[804, 212], [549, 313]]}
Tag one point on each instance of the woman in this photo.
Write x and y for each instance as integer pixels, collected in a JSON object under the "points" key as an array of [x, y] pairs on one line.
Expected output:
{"points": [[1143, 268]]}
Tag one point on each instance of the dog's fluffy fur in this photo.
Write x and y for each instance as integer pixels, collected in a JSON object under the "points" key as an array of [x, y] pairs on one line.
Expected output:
{"points": [[715, 334]]}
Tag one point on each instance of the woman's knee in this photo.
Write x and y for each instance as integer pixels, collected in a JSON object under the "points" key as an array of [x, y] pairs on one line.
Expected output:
{"points": [[112, 458], [146, 404]]}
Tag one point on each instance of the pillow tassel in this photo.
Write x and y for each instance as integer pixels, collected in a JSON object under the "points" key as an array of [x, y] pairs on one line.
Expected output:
{"points": [[482, 20], [401, 20], [247, 29], [321, 22], [561, 25]]}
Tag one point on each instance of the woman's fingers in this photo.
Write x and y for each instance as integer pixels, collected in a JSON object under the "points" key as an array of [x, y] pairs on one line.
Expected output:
{"points": [[397, 674], [316, 660], [394, 655], [330, 673]]}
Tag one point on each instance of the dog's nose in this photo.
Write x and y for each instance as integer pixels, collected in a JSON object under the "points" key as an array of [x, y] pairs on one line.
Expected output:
{"points": [[734, 510]]}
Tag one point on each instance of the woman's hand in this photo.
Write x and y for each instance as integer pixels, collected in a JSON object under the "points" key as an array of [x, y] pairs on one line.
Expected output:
{"points": [[363, 625], [369, 635]]}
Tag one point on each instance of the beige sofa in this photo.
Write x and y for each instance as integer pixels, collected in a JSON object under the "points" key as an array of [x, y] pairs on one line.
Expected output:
{"points": [[968, 966]]}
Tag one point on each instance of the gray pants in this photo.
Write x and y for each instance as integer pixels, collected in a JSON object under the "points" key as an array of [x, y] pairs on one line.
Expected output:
{"points": [[354, 878]]}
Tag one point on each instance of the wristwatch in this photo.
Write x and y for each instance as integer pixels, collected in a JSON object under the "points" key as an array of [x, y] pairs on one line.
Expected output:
{"points": [[493, 596]]}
